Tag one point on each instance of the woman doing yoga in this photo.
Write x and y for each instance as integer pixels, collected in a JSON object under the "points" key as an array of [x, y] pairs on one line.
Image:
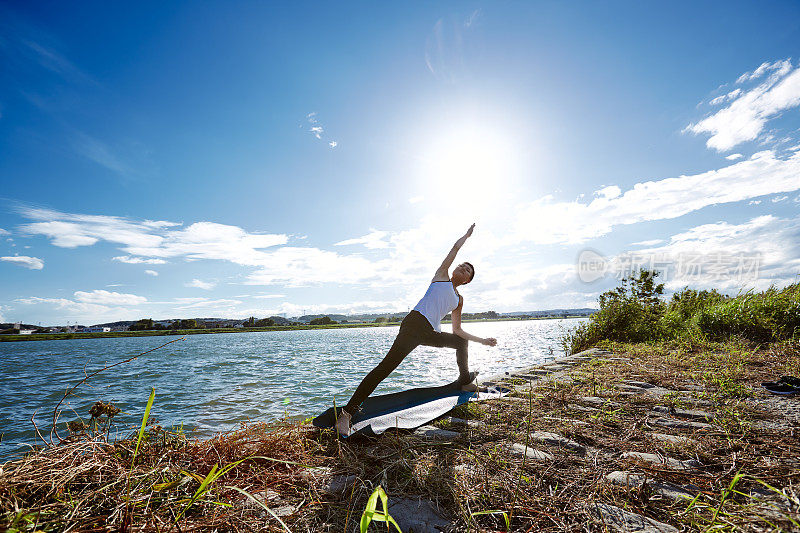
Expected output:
{"points": [[422, 326]]}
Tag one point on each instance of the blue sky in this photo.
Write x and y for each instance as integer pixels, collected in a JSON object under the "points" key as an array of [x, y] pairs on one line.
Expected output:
{"points": [[237, 159]]}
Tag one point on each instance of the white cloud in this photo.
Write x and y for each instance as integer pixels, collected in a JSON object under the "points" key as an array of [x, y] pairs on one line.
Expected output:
{"points": [[33, 263], [416, 199], [98, 152], [219, 304], [4, 232], [298, 267], [652, 242], [773, 242], [754, 202], [373, 240], [316, 129], [747, 114], [733, 157], [609, 193], [69, 230], [725, 97], [473, 18], [103, 297], [151, 272], [781, 65], [779, 199], [138, 260], [365, 306], [200, 284], [547, 221], [269, 296], [74, 309], [151, 241]]}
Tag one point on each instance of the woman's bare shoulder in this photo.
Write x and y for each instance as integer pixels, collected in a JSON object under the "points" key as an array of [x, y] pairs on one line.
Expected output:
{"points": [[440, 276]]}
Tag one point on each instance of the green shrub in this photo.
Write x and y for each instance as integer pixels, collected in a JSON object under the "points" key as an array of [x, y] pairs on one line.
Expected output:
{"points": [[762, 317], [634, 312]]}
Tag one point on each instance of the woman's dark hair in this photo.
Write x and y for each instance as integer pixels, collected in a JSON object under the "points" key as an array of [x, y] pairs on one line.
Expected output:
{"points": [[473, 271]]}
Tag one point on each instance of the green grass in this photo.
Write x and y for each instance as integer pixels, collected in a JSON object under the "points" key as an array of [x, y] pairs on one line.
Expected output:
{"points": [[636, 312]]}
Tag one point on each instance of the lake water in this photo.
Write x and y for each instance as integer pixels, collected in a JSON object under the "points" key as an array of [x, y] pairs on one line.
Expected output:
{"points": [[212, 383]]}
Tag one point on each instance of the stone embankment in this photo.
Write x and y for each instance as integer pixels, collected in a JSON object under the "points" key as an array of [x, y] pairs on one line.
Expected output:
{"points": [[659, 454]]}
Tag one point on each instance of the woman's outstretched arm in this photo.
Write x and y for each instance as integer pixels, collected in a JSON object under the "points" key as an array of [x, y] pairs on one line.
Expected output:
{"points": [[442, 271], [456, 322]]}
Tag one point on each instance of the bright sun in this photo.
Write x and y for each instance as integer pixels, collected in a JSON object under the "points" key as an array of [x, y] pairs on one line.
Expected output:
{"points": [[468, 164]]}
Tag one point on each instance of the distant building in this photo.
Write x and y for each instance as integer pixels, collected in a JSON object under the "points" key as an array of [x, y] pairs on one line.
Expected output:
{"points": [[95, 329], [25, 331]]}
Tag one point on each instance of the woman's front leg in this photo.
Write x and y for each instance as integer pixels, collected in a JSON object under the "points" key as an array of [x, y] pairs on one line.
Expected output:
{"points": [[401, 347]]}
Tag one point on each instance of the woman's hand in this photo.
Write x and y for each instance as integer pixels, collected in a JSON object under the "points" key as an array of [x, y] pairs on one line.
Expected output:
{"points": [[469, 231], [489, 342]]}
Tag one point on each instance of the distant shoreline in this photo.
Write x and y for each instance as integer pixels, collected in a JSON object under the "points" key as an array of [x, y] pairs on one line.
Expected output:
{"points": [[162, 333]]}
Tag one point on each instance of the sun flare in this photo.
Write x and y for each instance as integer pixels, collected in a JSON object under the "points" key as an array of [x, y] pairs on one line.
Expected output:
{"points": [[467, 164]]}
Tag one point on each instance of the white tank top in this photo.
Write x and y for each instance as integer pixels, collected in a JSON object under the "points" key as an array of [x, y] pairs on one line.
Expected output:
{"points": [[439, 299]]}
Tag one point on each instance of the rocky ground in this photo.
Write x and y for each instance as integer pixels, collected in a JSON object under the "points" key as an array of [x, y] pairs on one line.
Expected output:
{"points": [[632, 438], [613, 441]]}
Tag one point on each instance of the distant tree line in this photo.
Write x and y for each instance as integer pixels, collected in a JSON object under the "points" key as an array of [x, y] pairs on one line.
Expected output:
{"points": [[322, 321], [148, 324]]}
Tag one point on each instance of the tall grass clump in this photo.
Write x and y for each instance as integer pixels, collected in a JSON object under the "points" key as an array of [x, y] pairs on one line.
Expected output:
{"points": [[764, 317], [636, 311], [628, 313]]}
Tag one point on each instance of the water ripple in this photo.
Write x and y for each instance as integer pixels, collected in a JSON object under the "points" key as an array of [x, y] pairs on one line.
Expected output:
{"points": [[212, 383]]}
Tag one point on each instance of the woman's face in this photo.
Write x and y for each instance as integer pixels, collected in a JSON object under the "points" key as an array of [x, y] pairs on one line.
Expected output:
{"points": [[462, 273]]}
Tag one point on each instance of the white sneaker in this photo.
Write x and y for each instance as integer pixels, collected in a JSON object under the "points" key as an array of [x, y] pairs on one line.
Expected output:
{"points": [[343, 423]]}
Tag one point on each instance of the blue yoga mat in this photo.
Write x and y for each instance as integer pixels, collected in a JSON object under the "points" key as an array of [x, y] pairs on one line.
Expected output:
{"points": [[408, 409]]}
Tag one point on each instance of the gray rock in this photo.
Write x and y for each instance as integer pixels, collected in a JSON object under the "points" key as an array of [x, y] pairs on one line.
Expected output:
{"points": [[592, 352], [431, 432], [661, 488], [680, 424], [466, 470], [530, 374], [640, 384], [597, 401], [673, 491], [554, 367], [656, 459], [339, 483], [626, 479], [269, 499], [672, 439], [284, 510], [473, 424], [622, 520], [691, 414], [555, 439], [659, 391], [531, 453], [315, 474], [631, 388], [417, 516]]}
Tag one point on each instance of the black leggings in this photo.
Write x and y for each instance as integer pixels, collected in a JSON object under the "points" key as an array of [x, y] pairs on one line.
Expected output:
{"points": [[414, 331]]}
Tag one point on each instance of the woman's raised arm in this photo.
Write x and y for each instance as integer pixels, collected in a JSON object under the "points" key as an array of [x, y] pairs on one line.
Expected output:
{"points": [[442, 271]]}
